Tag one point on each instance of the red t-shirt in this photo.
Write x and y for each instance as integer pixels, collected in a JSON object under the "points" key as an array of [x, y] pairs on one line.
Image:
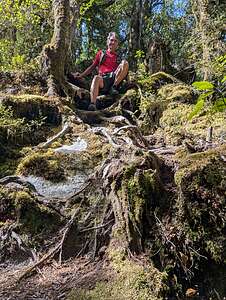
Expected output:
{"points": [[109, 64]]}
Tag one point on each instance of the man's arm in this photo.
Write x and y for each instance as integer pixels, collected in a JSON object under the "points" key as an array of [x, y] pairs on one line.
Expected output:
{"points": [[90, 68], [88, 71]]}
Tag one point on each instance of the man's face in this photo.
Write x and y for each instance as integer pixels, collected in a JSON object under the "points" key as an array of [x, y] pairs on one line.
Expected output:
{"points": [[112, 43]]}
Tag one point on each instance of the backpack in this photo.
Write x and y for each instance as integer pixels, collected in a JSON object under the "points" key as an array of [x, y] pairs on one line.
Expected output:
{"points": [[103, 57]]}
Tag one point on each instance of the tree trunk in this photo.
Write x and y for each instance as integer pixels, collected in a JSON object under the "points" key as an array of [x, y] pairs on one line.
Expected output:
{"points": [[55, 55], [135, 35], [202, 19]]}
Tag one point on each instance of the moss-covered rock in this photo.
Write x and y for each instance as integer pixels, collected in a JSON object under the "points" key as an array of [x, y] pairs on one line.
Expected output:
{"points": [[201, 179], [7, 210], [31, 216], [201, 213], [175, 125], [27, 119], [153, 106], [33, 107], [176, 92], [34, 217], [151, 109], [25, 223], [97, 149], [42, 164]]}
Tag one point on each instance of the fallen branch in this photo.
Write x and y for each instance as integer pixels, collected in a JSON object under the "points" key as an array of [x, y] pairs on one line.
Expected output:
{"points": [[161, 74], [60, 134], [103, 131], [137, 133]]}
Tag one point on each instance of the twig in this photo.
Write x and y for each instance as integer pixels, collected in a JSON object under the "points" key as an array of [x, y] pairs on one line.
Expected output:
{"points": [[95, 243], [197, 253], [126, 127], [217, 294], [96, 227], [60, 134], [82, 249], [140, 92]]}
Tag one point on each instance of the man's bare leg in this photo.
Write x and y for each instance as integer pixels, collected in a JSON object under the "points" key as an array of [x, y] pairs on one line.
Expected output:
{"points": [[97, 83], [121, 72]]}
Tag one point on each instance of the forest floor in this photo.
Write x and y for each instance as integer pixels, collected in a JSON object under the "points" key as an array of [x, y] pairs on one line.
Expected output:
{"points": [[53, 281], [153, 198]]}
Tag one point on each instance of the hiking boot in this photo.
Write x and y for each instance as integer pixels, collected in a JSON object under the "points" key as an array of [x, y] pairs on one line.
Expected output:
{"points": [[113, 91], [92, 107]]}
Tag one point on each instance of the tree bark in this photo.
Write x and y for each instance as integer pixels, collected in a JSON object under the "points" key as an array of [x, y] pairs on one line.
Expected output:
{"points": [[202, 19], [135, 35], [55, 55]]}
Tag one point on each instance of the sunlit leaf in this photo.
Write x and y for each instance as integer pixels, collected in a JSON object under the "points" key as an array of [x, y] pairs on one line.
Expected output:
{"points": [[224, 79], [220, 105], [203, 85], [197, 108]]}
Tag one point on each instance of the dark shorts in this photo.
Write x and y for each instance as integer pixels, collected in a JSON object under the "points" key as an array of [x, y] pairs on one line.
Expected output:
{"points": [[109, 79]]}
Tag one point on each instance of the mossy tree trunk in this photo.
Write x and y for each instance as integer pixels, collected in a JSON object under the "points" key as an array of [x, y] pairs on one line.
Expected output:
{"points": [[200, 10], [55, 55], [133, 187]]}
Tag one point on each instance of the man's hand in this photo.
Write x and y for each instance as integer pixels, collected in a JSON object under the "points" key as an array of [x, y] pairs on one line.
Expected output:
{"points": [[77, 76]]}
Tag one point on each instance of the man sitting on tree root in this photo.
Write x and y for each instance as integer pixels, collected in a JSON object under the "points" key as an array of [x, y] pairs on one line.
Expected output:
{"points": [[110, 71]]}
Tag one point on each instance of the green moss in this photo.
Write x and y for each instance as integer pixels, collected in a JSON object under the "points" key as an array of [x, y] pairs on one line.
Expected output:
{"points": [[11, 128], [176, 92], [25, 97], [148, 82], [132, 281], [136, 194], [208, 163], [29, 97], [7, 211], [151, 111], [42, 164], [33, 217], [139, 188], [175, 125], [8, 167], [163, 111], [201, 202]]}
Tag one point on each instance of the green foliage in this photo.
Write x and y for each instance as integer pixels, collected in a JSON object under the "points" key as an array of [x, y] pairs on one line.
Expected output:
{"points": [[203, 85], [139, 54], [17, 130], [24, 29], [213, 98], [220, 67], [198, 107], [9, 125]]}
